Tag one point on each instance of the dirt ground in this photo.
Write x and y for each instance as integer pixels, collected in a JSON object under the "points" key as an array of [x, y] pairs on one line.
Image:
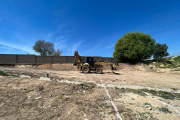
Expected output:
{"points": [[32, 98]]}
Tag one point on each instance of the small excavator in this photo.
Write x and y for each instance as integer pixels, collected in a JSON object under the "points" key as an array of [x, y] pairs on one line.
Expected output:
{"points": [[86, 64]]}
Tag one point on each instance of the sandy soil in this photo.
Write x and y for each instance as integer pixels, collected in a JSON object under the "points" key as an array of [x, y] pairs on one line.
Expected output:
{"points": [[23, 98], [131, 75]]}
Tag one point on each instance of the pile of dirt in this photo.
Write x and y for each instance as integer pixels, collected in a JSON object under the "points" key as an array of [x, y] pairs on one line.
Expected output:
{"points": [[65, 67], [25, 66], [45, 66], [129, 67], [61, 67], [70, 67]]}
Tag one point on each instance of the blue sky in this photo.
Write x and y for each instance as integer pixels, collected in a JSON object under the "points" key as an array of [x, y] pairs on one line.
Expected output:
{"points": [[91, 27]]}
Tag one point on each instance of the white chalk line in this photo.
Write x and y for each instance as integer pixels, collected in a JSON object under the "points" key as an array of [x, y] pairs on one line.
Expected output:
{"points": [[115, 85], [102, 85], [161, 102], [116, 110], [164, 103], [122, 80]]}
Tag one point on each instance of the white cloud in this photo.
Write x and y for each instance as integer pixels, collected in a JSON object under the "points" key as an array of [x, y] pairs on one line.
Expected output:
{"points": [[76, 46], [90, 50], [175, 54], [21, 47], [5, 47], [110, 46], [98, 49], [60, 38], [60, 44], [49, 35]]}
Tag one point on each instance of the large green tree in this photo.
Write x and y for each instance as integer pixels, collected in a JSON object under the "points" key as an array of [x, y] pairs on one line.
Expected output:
{"points": [[160, 51], [44, 48], [134, 47]]}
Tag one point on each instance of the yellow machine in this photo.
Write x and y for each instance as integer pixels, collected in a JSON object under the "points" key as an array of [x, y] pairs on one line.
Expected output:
{"points": [[86, 64]]}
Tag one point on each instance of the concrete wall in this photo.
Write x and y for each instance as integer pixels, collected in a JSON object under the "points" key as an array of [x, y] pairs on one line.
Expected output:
{"points": [[25, 59], [32, 59], [7, 59], [113, 60], [106, 59], [98, 59], [70, 59], [43, 59], [59, 59]]}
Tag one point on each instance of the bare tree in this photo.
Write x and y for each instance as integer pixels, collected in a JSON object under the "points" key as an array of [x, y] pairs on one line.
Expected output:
{"points": [[44, 48], [57, 53]]}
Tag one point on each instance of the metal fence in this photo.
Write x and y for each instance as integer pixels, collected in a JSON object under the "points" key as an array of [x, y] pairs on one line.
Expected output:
{"points": [[33, 59]]}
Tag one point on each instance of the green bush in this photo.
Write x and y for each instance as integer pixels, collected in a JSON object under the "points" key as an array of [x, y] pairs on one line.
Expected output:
{"points": [[134, 47], [3, 73], [160, 51]]}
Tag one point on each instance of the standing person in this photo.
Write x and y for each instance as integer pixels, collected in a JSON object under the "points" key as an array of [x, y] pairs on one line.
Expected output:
{"points": [[112, 68]]}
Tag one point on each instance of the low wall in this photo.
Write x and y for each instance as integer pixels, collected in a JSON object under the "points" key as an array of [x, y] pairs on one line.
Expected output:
{"points": [[25, 59], [32, 59], [8, 59], [43, 59]]}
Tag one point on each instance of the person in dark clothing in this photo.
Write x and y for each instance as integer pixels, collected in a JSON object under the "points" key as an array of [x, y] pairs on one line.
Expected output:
{"points": [[112, 68]]}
